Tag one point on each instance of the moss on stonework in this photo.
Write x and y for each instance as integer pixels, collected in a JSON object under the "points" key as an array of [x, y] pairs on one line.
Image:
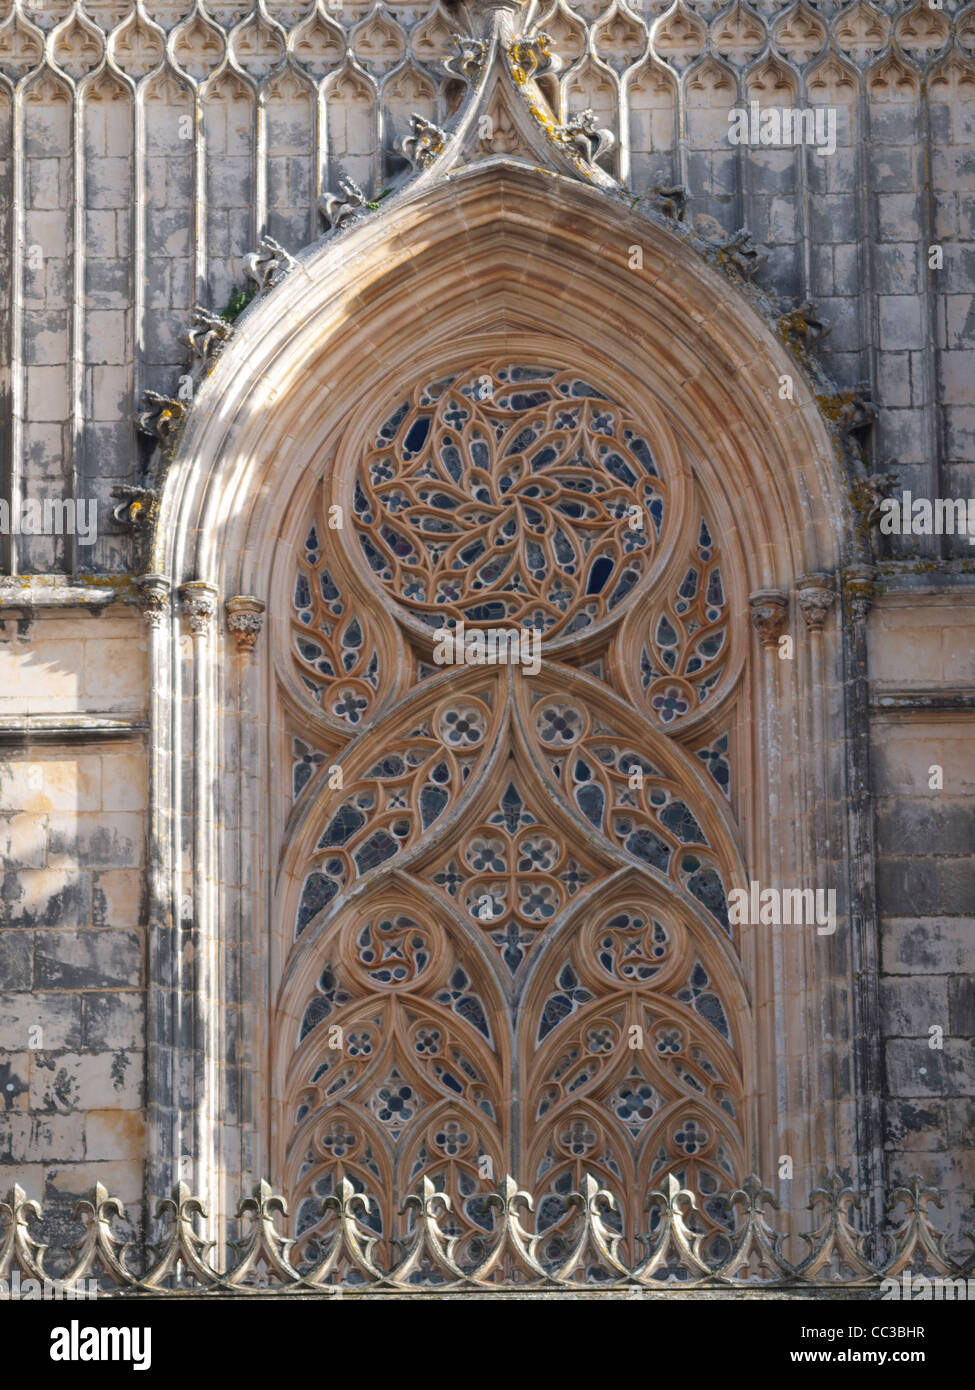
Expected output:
{"points": [[237, 303]]}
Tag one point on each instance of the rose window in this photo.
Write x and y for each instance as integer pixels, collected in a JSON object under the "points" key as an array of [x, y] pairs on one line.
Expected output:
{"points": [[512, 495]]}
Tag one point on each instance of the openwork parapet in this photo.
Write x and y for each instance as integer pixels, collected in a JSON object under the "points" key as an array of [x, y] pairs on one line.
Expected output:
{"points": [[514, 1258]]}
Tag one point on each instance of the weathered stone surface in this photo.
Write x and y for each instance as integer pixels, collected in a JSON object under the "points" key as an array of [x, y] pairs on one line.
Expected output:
{"points": [[87, 959]]}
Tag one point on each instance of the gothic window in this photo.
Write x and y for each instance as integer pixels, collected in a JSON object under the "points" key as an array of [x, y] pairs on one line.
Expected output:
{"points": [[508, 941]]}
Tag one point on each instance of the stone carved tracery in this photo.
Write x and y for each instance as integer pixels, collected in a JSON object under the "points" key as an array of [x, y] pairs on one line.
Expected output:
{"points": [[511, 948]]}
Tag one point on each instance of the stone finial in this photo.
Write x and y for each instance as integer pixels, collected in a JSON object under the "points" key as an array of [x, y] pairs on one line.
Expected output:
{"points": [[744, 253], [425, 142], [668, 197], [856, 413], [531, 57], [154, 590], [770, 614], [268, 265], [468, 59], [340, 211], [207, 334], [815, 597], [161, 416], [199, 600], [803, 326], [245, 618], [589, 142]]}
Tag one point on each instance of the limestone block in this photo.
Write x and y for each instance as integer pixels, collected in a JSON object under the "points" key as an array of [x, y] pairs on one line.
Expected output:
{"points": [[114, 1134], [911, 1006], [48, 1020], [957, 378], [897, 217], [117, 898], [103, 959], [916, 1125], [46, 898], [47, 393], [109, 183], [66, 1081], [113, 1020], [16, 959], [40, 1138], [961, 1004], [14, 1081], [938, 946]]}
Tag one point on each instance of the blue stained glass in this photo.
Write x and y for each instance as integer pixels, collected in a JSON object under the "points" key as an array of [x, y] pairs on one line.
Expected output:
{"points": [[416, 435], [645, 845], [346, 821], [318, 892], [679, 818], [599, 575], [709, 890], [591, 802], [432, 802]]}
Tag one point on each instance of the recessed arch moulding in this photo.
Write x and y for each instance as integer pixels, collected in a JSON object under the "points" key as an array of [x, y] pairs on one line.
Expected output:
{"points": [[498, 263]]}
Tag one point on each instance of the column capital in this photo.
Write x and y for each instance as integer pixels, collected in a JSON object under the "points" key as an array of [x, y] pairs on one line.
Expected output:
{"points": [[770, 614], [154, 597], [245, 618], [860, 587], [199, 601], [815, 596]]}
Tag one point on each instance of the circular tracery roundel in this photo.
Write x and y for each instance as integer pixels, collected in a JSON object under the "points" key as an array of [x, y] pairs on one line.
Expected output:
{"points": [[510, 494]]}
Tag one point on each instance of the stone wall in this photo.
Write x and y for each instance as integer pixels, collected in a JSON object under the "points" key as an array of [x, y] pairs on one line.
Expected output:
{"points": [[72, 940], [922, 650], [142, 156]]}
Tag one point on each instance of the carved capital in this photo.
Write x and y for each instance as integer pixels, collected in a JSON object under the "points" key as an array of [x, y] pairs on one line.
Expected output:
{"points": [[770, 614], [860, 586], [245, 618], [154, 591], [199, 600], [815, 597]]}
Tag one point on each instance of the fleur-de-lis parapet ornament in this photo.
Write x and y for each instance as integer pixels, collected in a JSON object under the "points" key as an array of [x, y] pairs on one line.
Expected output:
{"points": [[515, 1246], [99, 1244], [430, 1249], [343, 208], [755, 1256], [18, 1248], [353, 1243], [595, 1237], [424, 143], [208, 334], [265, 1245], [161, 416], [182, 1263], [268, 265], [836, 1248], [915, 1243], [183, 1252], [675, 1254]]}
